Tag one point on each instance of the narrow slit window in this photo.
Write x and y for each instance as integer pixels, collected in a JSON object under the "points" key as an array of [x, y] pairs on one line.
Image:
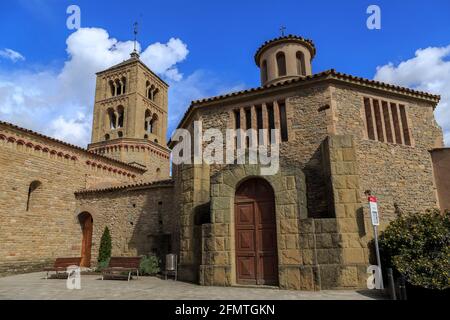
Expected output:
{"points": [[248, 125], [378, 120], [395, 118], [271, 116], [283, 121], [387, 122], [405, 125], [259, 121], [369, 119], [237, 119]]}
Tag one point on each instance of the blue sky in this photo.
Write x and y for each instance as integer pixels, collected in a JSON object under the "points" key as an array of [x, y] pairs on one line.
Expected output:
{"points": [[221, 38]]}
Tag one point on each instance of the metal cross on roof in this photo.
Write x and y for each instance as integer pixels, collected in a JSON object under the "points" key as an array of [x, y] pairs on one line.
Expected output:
{"points": [[282, 30]]}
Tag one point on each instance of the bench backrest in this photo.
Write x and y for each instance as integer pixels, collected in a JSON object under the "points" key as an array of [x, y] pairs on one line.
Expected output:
{"points": [[67, 262], [125, 262]]}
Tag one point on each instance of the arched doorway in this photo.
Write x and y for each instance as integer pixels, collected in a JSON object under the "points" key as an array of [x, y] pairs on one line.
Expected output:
{"points": [[86, 223], [256, 234]]}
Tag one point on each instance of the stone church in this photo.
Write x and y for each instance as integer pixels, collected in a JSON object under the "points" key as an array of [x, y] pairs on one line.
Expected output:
{"points": [[307, 227]]}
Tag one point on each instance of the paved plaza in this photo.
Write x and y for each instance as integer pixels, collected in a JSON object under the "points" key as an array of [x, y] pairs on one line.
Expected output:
{"points": [[34, 287]]}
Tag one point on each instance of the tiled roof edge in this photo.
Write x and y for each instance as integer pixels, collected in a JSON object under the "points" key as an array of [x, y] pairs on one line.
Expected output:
{"points": [[162, 183], [66, 144]]}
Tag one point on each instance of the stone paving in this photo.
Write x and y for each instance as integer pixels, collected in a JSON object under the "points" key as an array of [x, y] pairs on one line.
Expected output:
{"points": [[34, 287]]}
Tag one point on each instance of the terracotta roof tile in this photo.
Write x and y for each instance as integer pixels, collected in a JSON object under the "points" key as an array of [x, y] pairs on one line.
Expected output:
{"points": [[307, 42], [28, 131], [162, 183], [329, 74]]}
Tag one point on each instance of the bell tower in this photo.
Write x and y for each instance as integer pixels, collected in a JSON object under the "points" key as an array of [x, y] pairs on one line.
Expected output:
{"points": [[130, 117]]}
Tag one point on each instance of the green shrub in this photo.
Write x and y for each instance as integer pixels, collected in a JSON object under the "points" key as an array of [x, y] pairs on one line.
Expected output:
{"points": [[149, 265], [418, 247], [102, 265], [105, 246]]}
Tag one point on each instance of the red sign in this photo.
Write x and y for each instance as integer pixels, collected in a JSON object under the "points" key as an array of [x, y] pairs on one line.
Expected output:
{"points": [[372, 199]]}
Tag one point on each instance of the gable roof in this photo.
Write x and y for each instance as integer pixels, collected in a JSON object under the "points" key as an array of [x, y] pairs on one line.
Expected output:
{"points": [[71, 146], [328, 75]]}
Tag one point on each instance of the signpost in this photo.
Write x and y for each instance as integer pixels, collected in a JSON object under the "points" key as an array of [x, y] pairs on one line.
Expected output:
{"points": [[373, 205]]}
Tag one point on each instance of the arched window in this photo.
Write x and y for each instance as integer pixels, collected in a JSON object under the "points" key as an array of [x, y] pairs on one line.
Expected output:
{"points": [[124, 85], [32, 193], [154, 124], [121, 112], [120, 134], [264, 71], [107, 137], [112, 87], [146, 136], [155, 95], [147, 89], [112, 119], [118, 87], [281, 64], [148, 119], [301, 67]]}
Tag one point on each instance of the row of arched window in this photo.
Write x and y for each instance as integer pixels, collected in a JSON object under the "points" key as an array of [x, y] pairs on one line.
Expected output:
{"points": [[118, 86], [281, 65]]}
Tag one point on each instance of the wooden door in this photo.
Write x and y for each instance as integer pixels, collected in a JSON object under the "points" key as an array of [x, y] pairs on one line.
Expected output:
{"points": [[256, 237], [87, 227]]}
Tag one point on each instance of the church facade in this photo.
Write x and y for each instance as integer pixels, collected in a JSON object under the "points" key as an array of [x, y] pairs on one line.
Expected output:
{"points": [[306, 227]]}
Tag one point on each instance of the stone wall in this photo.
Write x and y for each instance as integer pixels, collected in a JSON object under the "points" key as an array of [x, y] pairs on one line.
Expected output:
{"points": [[400, 176], [140, 218], [218, 247], [49, 228]]}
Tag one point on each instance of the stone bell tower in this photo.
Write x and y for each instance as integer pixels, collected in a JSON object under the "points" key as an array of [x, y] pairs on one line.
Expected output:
{"points": [[130, 117], [285, 58]]}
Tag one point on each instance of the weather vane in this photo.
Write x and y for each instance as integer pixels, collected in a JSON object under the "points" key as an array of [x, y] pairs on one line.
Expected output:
{"points": [[136, 31], [282, 30]]}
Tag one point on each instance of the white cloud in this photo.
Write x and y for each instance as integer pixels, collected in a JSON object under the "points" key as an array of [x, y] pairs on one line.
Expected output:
{"points": [[59, 102], [428, 71], [161, 58], [12, 55]]}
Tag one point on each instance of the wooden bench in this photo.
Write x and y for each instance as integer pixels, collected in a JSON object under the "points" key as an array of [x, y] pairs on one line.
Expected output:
{"points": [[61, 264], [122, 268]]}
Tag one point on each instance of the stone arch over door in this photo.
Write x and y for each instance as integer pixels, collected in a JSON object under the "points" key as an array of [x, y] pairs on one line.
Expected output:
{"points": [[219, 265]]}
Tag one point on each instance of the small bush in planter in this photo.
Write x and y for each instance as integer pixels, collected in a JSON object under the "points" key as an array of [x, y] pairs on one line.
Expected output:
{"points": [[418, 247], [149, 266]]}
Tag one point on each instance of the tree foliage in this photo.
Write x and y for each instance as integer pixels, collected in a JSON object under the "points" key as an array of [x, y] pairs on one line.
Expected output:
{"points": [[104, 253], [418, 247]]}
